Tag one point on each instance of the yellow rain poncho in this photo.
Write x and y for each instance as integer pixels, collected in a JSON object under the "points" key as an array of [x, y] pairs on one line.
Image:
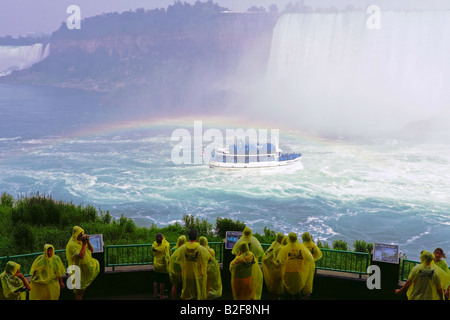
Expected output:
{"points": [[174, 267], [246, 275], [89, 267], [426, 278], [214, 282], [253, 244], [12, 288], [193, 259], [317, 254], [46, 273], [161, 256], [296, 262], [271, 268], [443, 265]]}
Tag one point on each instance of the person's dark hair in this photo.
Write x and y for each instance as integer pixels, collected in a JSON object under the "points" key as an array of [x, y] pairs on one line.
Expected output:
{"points": [[192, 235], [159, 238], [440, 251]]}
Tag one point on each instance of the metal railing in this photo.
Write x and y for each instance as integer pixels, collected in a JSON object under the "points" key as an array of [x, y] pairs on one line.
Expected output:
{"points": [[344, 261], [141, 254], [341, 261], [406, 267], [3, 262], [26, 260]]}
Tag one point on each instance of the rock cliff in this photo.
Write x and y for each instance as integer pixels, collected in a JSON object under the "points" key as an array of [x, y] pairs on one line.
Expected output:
{"points": [[178, 58]]}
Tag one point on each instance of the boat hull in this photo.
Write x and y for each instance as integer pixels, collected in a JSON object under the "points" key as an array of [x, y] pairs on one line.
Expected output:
{"points": [[253, 165]]}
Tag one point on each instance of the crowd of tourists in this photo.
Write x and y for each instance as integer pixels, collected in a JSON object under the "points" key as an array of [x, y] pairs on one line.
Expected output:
{"points": [[287, 267]]}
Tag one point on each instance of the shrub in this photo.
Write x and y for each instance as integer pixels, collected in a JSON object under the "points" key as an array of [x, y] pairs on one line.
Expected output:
{"points": [[126, 224], [323, 245], [24, 239], [203, 227], [362, 246], [268, 236], [7, 200], [340, 245], [223, 225]]}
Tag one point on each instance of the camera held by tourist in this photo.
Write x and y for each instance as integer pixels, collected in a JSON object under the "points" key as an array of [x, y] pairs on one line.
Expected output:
{"points": [[79, 253]]}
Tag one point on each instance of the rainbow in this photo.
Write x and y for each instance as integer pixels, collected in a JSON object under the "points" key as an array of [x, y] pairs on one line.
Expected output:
{"points": [[219, 122]]}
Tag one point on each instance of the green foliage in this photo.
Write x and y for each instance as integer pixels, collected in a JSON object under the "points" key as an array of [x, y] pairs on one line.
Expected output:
{"points": [[340, 245], [203, 227], [23, 237], [267, 237], [224, 224], [29, 223], [362, 246], [44, 210], [323, 245], [106, 218], [126, 224], [7, 200], [178, 16]]}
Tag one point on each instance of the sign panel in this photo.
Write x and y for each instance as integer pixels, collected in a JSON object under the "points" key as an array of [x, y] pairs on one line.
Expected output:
{"points": [[97, 242], [231, 237], [385, 253]]}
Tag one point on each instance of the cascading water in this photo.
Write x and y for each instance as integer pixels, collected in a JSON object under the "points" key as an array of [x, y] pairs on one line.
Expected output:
{"points": [[330, 69], [21, 57]]}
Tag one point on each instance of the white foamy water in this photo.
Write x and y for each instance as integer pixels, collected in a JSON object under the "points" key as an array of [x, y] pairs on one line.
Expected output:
{"points": [[333, 71], [21, 57], [373, 190]]}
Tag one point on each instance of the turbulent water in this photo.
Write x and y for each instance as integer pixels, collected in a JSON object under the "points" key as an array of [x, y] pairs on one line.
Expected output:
{"points": [[63, 143], [385, 188]]}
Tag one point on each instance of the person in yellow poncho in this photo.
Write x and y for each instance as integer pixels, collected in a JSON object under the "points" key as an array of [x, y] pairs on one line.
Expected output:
{"points": [[79, 253], [296, 262], [13, 284], [174, 267], [193, 259], [438, 256], [214, 282], [253, 244], [317, 254], [161, 256], [425, 280], [46, 272], [271, 268], [255, 247], [246, 275]]}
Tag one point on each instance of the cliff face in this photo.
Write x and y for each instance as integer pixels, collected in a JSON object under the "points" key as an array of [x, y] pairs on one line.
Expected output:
{"points": [[185, 64]]}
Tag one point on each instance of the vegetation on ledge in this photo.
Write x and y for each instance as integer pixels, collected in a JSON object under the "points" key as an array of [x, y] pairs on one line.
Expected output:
{"points": [[27, 223]]}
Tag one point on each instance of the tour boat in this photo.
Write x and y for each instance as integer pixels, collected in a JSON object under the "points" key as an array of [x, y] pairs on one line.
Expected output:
{"points": [[240, 156]]}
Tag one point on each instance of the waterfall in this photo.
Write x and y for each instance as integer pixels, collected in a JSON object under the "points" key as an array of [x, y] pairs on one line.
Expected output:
{"points": [[21, 57], [330, 68]]}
